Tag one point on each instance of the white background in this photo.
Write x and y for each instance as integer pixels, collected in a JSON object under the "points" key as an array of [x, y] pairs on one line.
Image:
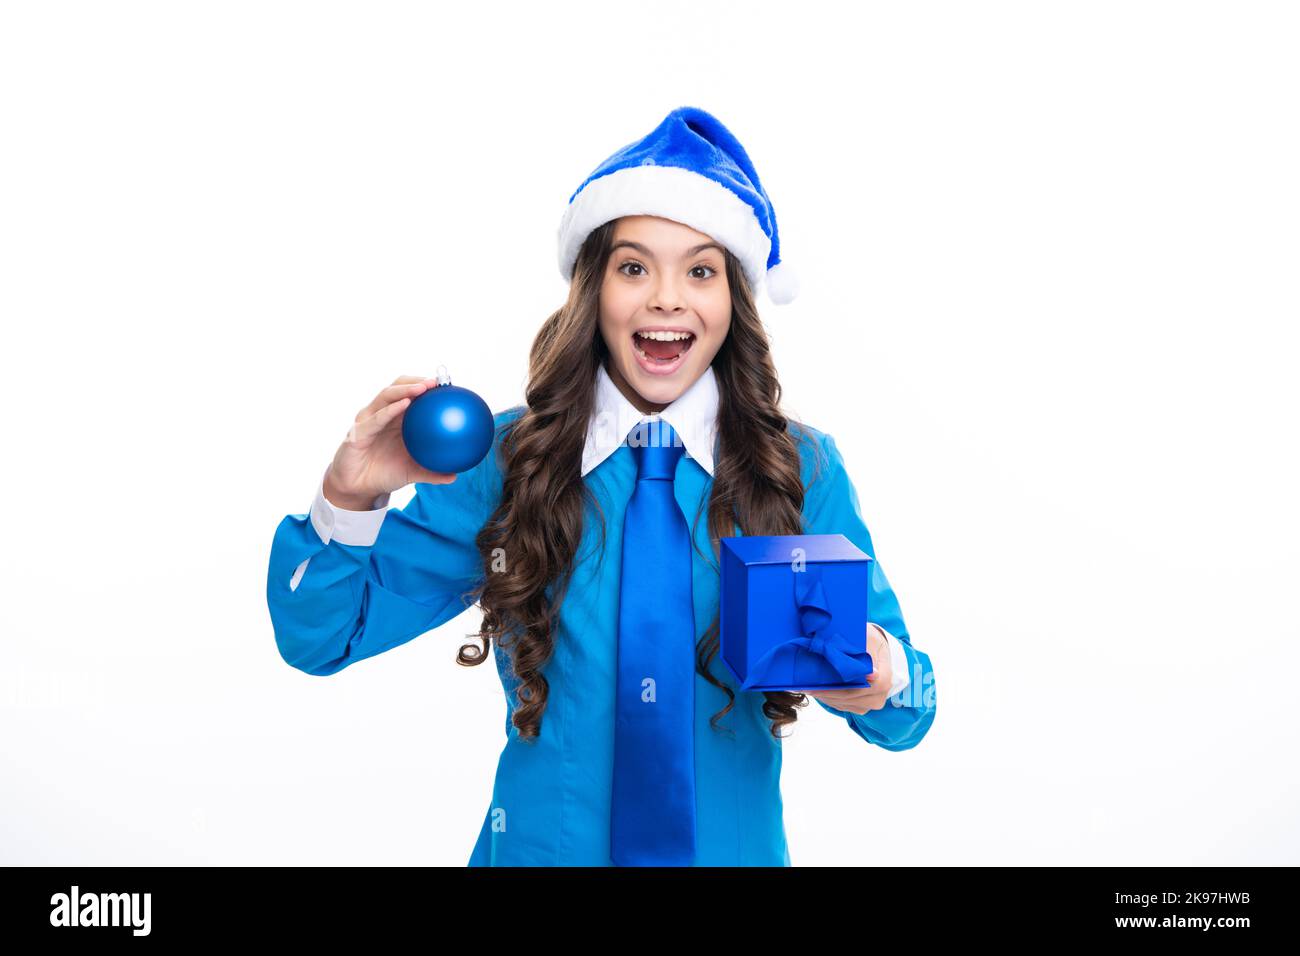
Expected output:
{"points": [[1050, 297]]}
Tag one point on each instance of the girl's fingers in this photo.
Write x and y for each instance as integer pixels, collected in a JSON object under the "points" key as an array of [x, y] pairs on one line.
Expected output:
{"points": [[392, 393], [367, 428], [843, 696], [406, 386], [435, 478], [874, 702], [831, 696], [389, 412]]}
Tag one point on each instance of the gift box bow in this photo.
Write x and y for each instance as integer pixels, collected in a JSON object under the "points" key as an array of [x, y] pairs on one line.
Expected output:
{"points": [[851, 663]]}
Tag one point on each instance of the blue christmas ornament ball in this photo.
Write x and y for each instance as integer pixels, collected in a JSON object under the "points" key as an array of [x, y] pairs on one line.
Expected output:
{"points": [[447, 429]]}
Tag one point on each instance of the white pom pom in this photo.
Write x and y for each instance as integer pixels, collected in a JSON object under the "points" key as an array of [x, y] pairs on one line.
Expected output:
{"points": [[782, 283]]}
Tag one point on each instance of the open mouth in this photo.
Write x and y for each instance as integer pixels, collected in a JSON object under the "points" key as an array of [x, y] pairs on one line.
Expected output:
{"points": [[661, 349]]}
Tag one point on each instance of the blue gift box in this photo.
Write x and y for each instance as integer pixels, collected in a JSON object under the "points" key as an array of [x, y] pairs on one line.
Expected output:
{"points": [[793, 612]]}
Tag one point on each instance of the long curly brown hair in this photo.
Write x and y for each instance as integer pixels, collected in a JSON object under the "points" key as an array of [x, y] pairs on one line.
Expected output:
{"points": [[756, 484]]}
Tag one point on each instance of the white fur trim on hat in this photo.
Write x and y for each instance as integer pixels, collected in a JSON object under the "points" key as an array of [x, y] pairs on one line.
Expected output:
{"points": [[673, 193]]}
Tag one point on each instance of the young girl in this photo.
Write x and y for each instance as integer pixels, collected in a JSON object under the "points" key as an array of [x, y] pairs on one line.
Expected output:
{"points": [[627, 741]]}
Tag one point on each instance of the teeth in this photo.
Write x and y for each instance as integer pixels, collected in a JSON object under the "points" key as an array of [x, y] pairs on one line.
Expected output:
{"points": [[665, 336]]}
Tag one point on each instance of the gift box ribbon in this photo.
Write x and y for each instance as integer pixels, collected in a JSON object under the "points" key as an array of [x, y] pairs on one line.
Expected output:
{"points": [[851, 663]]}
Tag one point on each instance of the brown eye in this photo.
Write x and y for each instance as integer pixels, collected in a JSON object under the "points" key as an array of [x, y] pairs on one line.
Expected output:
{"points": [[712, 271], [631, 263]]}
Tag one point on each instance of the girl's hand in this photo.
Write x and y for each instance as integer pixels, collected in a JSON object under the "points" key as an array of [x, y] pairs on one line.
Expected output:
{"points": [[859, 700], [373, 460]]}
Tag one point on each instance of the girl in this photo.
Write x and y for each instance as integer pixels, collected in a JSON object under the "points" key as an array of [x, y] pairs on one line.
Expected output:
{"points": [[627, 741]]}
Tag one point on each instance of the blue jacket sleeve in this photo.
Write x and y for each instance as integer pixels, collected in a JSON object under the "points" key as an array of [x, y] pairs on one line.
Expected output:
{"points": [[831, 507], [353, 601]]}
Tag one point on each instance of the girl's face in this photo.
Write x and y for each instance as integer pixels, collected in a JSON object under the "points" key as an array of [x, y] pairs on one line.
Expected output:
{"points": [[666, 277]]}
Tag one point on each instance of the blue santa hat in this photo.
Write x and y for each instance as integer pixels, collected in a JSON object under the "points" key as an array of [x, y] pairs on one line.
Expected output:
{"points": [[692, 170]]}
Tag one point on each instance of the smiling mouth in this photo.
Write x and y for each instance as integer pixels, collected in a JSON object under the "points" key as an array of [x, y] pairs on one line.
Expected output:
{"points": [[658, 351]]}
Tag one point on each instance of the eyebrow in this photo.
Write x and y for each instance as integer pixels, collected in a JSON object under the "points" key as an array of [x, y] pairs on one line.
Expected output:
{"points": [[693, 251]]}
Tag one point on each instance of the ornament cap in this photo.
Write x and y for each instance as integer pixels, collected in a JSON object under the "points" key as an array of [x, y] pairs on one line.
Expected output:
{"points": [[444, 378]]}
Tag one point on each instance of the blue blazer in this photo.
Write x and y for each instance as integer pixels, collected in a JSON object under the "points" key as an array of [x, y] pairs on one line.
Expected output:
{"points": [[550, 804]]}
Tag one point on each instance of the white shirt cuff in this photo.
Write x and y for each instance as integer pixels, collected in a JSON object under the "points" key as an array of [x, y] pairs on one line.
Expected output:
{"points": [[346, 527], [897, 660]]}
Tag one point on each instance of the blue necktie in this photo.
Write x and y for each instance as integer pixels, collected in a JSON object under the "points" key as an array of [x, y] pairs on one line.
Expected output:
{"points": [[652, 820]]}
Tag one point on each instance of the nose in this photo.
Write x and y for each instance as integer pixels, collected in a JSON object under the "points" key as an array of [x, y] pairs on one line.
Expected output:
{"points": [[665, 297]]}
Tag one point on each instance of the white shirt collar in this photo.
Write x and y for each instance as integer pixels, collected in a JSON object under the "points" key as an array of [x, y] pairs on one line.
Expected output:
{"points": [[693, 415]]}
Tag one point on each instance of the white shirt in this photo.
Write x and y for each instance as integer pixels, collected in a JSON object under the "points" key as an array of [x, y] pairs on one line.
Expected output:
{"points": [[693, 415]]}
